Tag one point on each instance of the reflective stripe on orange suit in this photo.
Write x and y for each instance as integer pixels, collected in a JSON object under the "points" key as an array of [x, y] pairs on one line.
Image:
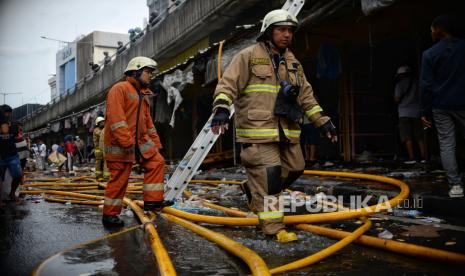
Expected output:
{"points": [[120, 171], [119, 138]]}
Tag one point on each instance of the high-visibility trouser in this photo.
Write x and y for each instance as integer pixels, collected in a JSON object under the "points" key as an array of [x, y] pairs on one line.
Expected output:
{"points": [[120, 171], [106, 172], [154, 176], [116, 187], [101, 169], [268, 166]]}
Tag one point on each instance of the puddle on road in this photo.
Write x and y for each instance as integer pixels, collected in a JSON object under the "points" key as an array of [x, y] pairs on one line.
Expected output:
{"points": [[127, 254]]}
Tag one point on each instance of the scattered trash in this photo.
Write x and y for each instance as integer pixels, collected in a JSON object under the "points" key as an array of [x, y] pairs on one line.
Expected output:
{"points": [[385, 235], [425, 231], [401, 240], [241, 171], [431, 220], [402, 174], [365, 158], [128, 213], [33, 197], [406, 213], [450, 243], [328, 164], [438, 171], [68, 203]]}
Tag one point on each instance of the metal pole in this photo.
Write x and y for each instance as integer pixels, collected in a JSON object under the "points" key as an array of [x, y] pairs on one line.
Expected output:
{"points": [[4, 96]]}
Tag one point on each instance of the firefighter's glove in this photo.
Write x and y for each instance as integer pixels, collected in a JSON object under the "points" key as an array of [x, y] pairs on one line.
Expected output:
{"points": [[329, 131], [220, 121]]}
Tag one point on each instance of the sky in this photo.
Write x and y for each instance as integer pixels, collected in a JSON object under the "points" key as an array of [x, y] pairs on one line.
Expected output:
{"points": [[27, 61]]}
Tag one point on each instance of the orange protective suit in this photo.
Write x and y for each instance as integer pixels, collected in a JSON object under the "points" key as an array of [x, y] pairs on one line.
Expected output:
{"points": [[120, 144]]}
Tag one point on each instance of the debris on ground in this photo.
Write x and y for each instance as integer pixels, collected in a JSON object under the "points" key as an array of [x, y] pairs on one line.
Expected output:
{"points": [[425, 231]]}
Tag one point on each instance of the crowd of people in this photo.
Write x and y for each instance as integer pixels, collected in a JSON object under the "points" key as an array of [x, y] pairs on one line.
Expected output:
{"points": [[16, 149]]}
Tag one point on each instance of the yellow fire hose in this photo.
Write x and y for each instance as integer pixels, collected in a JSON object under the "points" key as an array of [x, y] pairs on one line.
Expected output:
{"points": [[346, 237], [73, 201], [220, 52], [71, 194], [389, 245], [61, 184], [59, 179], [165, 265], [325, 252], [310, 259], [311, 218], [252, 259]]}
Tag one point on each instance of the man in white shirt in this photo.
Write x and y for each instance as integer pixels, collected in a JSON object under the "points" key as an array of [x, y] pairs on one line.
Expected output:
{"points": [[42, 150]]}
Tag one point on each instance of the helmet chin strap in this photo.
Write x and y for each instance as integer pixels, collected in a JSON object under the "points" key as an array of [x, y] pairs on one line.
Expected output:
{"points": [[273, 45]]}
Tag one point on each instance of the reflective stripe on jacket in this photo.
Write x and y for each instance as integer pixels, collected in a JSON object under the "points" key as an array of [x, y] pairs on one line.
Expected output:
{"points": [[95, 138], [251, 84], [120, 123]]}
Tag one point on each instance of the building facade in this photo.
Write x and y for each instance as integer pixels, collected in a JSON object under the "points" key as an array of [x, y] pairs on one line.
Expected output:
{"points": [[66, 68]]}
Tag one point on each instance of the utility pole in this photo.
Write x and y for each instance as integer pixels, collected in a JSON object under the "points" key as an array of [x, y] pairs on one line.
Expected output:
{"points": [[4, 96]]}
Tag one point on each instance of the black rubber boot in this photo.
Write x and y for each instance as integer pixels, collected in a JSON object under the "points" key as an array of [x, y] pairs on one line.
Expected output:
{"points": [[112, 221], [156, 205], [247, 192]]}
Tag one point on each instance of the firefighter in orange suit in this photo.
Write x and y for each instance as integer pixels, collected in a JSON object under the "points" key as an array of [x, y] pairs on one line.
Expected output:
{"points": [[270, 93], [130, 137]]}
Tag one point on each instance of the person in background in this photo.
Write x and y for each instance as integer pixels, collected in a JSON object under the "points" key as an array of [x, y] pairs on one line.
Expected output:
{"points": [[61, 150], [99, 162], [408, 99], [41, 154], [95, 67], [79, 147], [21, 145], [442, 86], [6, 111], [107, 58], [120, 48], [70, 152], [9, 158]]}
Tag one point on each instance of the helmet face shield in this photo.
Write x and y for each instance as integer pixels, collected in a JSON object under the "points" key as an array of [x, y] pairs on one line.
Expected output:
{"points": [[285, 23]]}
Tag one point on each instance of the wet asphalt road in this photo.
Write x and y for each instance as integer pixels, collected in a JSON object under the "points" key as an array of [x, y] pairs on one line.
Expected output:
{"points": [[32, 232], [35, 231]]}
